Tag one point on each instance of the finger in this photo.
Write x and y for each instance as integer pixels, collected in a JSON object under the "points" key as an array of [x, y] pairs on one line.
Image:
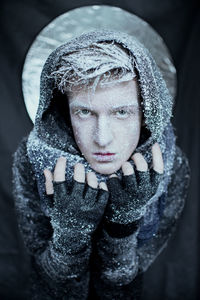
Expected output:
{"points": [[127, 168], [48, 182], [142, 174], [128, 180], [158, 164], [113, 176], [92, 180], [79, 173], [143, 180], [103, 186], [60, 194], [49, 200], [102, 198], [90, 195], [77, 191], [155, 180], [59, 171], [114, 186], [140, 162], [91, 188], [130, 183]]}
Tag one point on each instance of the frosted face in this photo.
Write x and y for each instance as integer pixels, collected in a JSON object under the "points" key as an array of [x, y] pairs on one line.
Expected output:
{"points": [[107, 124]]}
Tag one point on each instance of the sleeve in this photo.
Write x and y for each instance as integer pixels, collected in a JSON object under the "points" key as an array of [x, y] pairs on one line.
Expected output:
{"points": [[173, 205], [52, 273], [120, 262]]}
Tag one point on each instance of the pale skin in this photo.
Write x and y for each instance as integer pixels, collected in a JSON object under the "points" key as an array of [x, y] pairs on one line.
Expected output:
{"points": [[108, 121]]}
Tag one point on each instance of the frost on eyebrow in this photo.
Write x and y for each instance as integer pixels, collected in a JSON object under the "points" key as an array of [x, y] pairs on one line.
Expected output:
{"points": [[77, 103], [130, 105]]}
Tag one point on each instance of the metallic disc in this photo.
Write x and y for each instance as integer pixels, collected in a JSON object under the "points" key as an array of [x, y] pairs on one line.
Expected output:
{"points": [[84, 19]]}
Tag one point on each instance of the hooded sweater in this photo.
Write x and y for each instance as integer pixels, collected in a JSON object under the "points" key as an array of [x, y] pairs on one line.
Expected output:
{"points": [[114, 264]]}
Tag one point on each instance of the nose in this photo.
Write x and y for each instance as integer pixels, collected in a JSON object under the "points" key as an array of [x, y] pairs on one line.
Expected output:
{"points": [[103, 132]]}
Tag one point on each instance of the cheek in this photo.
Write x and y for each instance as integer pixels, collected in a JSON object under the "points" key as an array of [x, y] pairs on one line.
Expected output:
{"points": [[82, 134], [128, 135], [134, 132]]}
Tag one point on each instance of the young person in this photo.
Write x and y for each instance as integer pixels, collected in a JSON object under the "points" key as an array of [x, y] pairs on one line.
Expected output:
{"points": [[99, 183]]}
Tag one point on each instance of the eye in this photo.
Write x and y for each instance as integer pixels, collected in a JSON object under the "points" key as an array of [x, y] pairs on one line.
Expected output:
{"points": [[83, 113], [122, 113]]}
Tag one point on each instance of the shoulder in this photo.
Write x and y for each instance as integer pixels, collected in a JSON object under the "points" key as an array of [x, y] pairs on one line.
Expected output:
{"points": [[21, 150]]}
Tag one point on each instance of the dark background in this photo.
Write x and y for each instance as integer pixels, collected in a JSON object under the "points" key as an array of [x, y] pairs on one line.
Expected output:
{"points": [[175, 274]]}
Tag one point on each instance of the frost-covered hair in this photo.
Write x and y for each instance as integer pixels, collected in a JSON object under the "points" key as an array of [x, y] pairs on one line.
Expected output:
{"points": [[101, 63]]}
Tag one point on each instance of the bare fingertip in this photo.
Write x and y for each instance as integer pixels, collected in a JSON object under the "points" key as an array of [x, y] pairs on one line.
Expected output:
{"points": [[159, 170], [103, 186], [47, 174], [140, 162], [62, 158], [92, 180], [137, 155], [156, 144], [79, 165], [91, 175], [112, 176], [127, 168], [79, 173], [156, 147]]}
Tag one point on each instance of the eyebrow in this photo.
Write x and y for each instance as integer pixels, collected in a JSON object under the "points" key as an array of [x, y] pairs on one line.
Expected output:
{"points": [[78, 104]]}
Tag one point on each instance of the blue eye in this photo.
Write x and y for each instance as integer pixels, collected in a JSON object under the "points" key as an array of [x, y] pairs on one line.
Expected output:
{"points": [[83, 113], [122, 113]]}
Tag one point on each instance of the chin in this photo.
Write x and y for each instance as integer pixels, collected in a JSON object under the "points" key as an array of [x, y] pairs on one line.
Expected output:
{"points": [[105, 168]]}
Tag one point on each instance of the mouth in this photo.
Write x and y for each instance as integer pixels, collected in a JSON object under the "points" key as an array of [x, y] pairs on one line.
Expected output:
{"points": [[104, 156]]}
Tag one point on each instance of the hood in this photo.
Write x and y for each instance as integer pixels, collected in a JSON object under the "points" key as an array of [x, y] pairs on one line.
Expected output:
{"points": [[157, 102], [52, 137]]}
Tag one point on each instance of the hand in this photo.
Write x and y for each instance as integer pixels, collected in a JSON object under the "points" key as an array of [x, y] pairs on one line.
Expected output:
{"points": [[129, 196], [75, 212]]}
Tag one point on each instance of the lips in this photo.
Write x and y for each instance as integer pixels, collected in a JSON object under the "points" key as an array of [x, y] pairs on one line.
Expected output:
{"points": [[104, 156]]}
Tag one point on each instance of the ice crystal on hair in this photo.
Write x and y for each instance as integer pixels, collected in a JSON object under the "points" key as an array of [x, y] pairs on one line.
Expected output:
{"points": [[99, 64]]}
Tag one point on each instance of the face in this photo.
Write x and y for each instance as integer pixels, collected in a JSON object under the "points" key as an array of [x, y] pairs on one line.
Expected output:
{"points": [[107, 124]]}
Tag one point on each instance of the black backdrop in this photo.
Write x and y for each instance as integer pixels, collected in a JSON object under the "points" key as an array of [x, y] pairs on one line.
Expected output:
{"points": [[175, 274]]}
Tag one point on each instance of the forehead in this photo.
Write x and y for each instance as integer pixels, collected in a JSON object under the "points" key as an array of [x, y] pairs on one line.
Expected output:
{"points": [[120, 94]]}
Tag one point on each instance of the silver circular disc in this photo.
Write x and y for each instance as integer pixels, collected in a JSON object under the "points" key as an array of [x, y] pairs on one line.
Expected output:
{"points": [[84, 19]]}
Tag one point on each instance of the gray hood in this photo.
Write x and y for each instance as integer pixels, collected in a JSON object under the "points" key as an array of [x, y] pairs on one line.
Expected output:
{"points": [[51, 137]]}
